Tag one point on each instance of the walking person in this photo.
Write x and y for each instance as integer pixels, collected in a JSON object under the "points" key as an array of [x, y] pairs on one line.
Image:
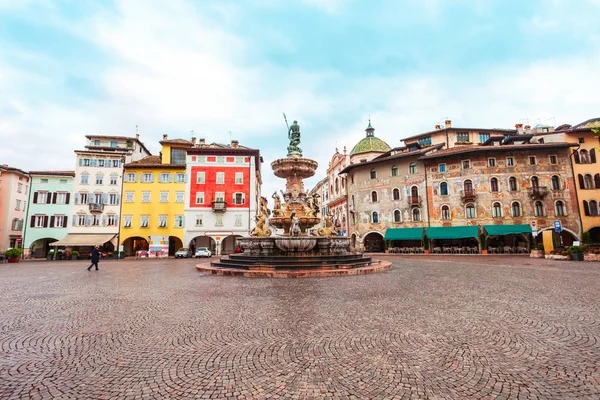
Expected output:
{"points": [[95, 258]]}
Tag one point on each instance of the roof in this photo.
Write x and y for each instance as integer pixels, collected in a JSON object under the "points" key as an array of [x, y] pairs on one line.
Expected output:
{"points": [[176, 141], [226, 149], [509, 131], [586, 124], [13, 169], [383, 157], [370, 144], [152, 162], [512, 147], [135, 139], [53, 173]]}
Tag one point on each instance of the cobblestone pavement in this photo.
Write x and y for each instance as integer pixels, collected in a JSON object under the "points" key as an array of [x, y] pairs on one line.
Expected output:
{"points": [[455, 327]]}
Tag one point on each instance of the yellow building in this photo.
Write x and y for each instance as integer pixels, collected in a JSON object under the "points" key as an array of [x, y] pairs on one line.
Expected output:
{"points": [[153, 201]]}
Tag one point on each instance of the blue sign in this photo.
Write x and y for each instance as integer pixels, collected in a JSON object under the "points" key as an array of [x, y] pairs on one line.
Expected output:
{"points": [[557, 226]]}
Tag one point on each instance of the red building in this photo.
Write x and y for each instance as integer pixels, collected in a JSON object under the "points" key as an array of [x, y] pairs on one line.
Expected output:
{"points": [[222, 196]]}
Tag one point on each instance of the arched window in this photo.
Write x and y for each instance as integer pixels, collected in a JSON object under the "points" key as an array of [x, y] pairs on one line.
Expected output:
{"points": [[468, 186], [555, 182], [516, 209], [445, 212], [412, 168], [374, 196], [539, 209], [375, 217], [470, 211], [559, 208], [416, 215], [414, 192], [496, 210], [337, 185], [394, 170], [396, 194], [494, 184], [593, 208], [512, 184], [535, 183], [373, 173], [588, 181], [343, 183], [443, 189], [584, 157], [397, 216]]}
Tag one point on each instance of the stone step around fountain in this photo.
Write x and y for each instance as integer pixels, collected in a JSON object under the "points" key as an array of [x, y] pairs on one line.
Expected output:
{"points": [[241, 261]]}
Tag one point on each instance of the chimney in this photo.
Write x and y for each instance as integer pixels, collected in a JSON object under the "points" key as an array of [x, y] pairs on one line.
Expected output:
{"points": [[438, 127], [519, 129], [165, 136], [202, 141], [448, 124], [137, 136], [234, 144], [193, 140], [527, 129]]}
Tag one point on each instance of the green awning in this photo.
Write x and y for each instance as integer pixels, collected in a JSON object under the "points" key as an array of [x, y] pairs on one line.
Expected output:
{"points": [[452, 232], [404, 234], [496, 230]]}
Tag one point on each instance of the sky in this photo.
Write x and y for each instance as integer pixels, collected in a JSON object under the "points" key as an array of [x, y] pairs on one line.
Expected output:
{"points": [[229, 69]]}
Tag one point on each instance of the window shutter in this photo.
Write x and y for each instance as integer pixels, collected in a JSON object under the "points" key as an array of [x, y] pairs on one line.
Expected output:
{"points": [[597, 181], [35, 196], [65, 221], [118, 199], [104, 198], [53, 197], [32, 223], [68, 198], [104, 220], [88, 220], [76, 198], [52, 221], [94, 162], [581, 183], [74, 220], [45, 221], [576, 157], [586, 208]]}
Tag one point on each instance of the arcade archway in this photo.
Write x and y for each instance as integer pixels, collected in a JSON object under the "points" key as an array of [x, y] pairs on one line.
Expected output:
{"points": [[133, 244], [229, 244], [374, 243]]}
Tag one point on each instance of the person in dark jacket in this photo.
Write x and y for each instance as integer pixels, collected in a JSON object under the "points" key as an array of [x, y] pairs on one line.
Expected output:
{"points": [[95, 258]]}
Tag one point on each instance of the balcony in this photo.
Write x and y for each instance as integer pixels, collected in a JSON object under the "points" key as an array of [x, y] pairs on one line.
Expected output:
{"points": [[96, 207], [468, 195], [414, 200], [219, 206], [538, 192]]}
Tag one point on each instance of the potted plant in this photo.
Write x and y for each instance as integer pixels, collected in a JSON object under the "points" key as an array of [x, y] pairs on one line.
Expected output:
{"points": [[558, 254], [483, 241], [74, 255], [50, 255], [576, 253], [13, 255], [425, 244], [122, 254], [537, 251]]}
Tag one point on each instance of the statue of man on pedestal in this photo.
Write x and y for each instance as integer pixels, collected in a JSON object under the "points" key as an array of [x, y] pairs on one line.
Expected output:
{"points": [[294, 136]]}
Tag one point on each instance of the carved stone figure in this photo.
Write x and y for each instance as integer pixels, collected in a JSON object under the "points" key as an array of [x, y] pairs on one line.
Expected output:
{"points": [[329, 229], [261, 229], [311, 208], [295, 229], [277, 210]]}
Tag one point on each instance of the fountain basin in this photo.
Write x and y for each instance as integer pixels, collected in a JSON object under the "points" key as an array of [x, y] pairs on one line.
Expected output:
{"points": [[295, 244], [294, 167]]}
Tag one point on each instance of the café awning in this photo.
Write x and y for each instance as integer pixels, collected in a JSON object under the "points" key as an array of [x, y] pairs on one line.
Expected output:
{"points": [[452, 232], [84, 239], [497, 230], [404, 234]]}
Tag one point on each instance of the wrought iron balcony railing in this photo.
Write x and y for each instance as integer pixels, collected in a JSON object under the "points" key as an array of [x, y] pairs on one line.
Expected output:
{"points": [[96, 207], [468, 195], [219, 206], [538, 192], [414, 200]]}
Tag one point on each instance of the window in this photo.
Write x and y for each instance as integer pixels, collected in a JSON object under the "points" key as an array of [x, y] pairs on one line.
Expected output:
{"points": [[115, 163], [483, 137], [113, 199], [397, 216], [532, 160], [412, 168], [162, 221], [220, 178], [445, 212], [145, 197], [373, 197], [373, 174], [180, 178], [84, 179], [164, 177], [42, 198], [96, 220], [395, 194], [470, 211], [128, 197], [512, 184], [111, 220], [198, 219], [147, 177], [426, 141], [38, 221], [82, 220], [199, 197], [515, 209], [584, 157], [179, 196], [394, 170], [200, 177], [494, 184], [539, 209], [131, 177], [17, 224], [442, 167], [219, 220], [586, 181], [416, 215], [18, 205], [83, 198], [337, 185], [101, 163], [87, 162], [113, 144], [375, 217], [238, 220], [99, 179], [462, 137], [60, 221], [510, 161], [238, 198], [443, 189], [555, 182], [220, 196], [468, 186], [96, 143], [112, 180], [178, 156], [591, 208], [491, 162], [98, 198], [144, 221], [535, 183], [552, 160], [466, 164], [63, 181], [19, 188], [46, 181], [239, 178], [496, 210], [127, 221], [164, 197], [560, 208]]}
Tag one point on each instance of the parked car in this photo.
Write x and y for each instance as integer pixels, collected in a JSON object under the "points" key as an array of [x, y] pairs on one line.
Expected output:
{"points": [[203, 252], [184, 252]]}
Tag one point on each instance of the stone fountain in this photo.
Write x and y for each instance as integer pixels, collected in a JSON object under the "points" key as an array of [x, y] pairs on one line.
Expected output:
{"points": [[297, 252]]}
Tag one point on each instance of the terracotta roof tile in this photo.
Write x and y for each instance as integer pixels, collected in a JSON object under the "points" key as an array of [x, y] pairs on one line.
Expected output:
{"points": [[474, 149], [53, 173], [176, 141]]}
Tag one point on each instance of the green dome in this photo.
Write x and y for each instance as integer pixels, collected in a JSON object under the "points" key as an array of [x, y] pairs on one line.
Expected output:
{"points": [[369, 144]]}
